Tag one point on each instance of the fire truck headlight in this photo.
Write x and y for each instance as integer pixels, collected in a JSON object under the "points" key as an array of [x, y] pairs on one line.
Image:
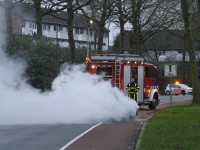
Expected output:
{"points": [[93, 66], [128, 62]]}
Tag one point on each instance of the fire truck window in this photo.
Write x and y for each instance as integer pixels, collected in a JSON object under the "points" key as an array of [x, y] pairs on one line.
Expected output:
{"points": [[151, 72], [134, 71], [109, 71], [98, 70], [154, 73], [147, 72], [104, 70]]}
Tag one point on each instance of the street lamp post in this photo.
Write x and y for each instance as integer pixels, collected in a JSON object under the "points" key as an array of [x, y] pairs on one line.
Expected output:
{"points": [[57, 43], [88, 24]]}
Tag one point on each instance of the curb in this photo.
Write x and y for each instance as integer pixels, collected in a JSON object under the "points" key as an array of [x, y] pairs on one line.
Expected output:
{"points": [[139, 137], [133, 141]]}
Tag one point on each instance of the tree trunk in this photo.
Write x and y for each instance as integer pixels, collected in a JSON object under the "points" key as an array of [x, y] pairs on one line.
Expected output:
{"points": [[121, 27], [190, 43], [8, 15], [38, 13], [122, 37], [199, 6], [95, 39], [184, 49], [137, 44], [71, 36], [100, 40], [157, 57], [95, 43], [136, 35]]}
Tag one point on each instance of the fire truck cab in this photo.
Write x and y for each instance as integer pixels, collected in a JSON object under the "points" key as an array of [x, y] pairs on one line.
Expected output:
{"points": [[118, 69]]}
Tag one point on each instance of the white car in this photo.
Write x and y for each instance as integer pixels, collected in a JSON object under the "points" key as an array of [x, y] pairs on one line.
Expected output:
{"points": [[184, 89]]}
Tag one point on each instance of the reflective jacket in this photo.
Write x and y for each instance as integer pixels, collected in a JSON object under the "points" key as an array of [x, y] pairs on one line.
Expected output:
{"points": [[132, 88]]}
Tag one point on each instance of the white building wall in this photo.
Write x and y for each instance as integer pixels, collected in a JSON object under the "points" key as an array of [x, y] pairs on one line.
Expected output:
{"points": [[27, 30]]}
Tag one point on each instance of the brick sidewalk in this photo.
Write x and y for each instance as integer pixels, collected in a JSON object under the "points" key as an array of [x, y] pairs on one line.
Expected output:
{"points": [[116, 135]]}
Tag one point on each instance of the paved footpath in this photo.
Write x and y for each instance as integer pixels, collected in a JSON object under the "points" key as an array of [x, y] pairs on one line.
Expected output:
{"points": [[115, 135]]}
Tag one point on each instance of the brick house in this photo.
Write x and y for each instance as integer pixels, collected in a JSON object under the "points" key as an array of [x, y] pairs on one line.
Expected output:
{"points": [[23, 20]]}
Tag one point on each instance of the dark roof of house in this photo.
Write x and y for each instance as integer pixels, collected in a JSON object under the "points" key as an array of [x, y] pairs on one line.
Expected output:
{"points": [[27, 12]]}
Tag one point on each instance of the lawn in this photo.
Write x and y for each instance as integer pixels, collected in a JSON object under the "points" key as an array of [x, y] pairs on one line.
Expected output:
{"points": [[178, 129]]}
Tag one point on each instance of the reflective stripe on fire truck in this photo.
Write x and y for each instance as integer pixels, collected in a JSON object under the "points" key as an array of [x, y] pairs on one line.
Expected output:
{"points": [[155, 87]]}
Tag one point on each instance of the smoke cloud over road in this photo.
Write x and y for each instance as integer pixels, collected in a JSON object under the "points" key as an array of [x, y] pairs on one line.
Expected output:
{"points": [[77, 97]]}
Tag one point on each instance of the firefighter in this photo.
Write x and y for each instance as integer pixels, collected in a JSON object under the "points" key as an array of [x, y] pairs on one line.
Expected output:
{"points": [[132, 89]]}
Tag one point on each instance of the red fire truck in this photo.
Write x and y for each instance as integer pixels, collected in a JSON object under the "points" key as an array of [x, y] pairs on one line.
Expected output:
{"points": [[118, 69]]}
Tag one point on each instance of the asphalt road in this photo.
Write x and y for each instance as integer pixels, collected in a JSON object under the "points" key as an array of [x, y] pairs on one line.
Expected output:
{"points": [[50, 137], [175, 98], [39, 137]]}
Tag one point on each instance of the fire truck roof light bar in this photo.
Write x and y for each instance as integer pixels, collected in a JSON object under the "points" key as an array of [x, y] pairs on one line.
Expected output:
{"points": [[122, 57]]}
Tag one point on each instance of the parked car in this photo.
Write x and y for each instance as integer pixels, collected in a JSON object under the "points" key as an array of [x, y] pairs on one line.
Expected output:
{"points": [[185, 89]]}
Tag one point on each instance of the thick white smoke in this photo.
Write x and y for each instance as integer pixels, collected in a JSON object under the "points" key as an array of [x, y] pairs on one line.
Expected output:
{"points": [[77, 97]]}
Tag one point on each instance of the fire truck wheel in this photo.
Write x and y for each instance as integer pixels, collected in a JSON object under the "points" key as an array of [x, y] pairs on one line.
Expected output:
{"points": [[152, 105]]}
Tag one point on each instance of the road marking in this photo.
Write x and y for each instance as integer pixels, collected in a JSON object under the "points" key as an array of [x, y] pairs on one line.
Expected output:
{"points": [[72, 141]]}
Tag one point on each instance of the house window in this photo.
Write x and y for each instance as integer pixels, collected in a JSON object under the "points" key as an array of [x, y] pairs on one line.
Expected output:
{"points": [[34, 25], [44, 27], [77, 31], [105, 35], [48, 27], [81, 31], [23, 24], [54, 28], [60, 28], [30, 24], [179, 51]]}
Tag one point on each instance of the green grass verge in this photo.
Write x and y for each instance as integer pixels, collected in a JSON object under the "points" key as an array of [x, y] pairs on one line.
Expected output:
{"points": [[176, 130]]}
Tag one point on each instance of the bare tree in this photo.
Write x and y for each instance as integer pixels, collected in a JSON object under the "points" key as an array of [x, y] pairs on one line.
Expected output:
{"points": [[70, 7], [194, 75], [73, 6], [155, 47], [99, 11], [149, 16], [121, 15]]}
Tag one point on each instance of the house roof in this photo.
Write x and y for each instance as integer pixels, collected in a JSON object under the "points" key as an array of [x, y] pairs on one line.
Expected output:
{"points": [[27, 12]]}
